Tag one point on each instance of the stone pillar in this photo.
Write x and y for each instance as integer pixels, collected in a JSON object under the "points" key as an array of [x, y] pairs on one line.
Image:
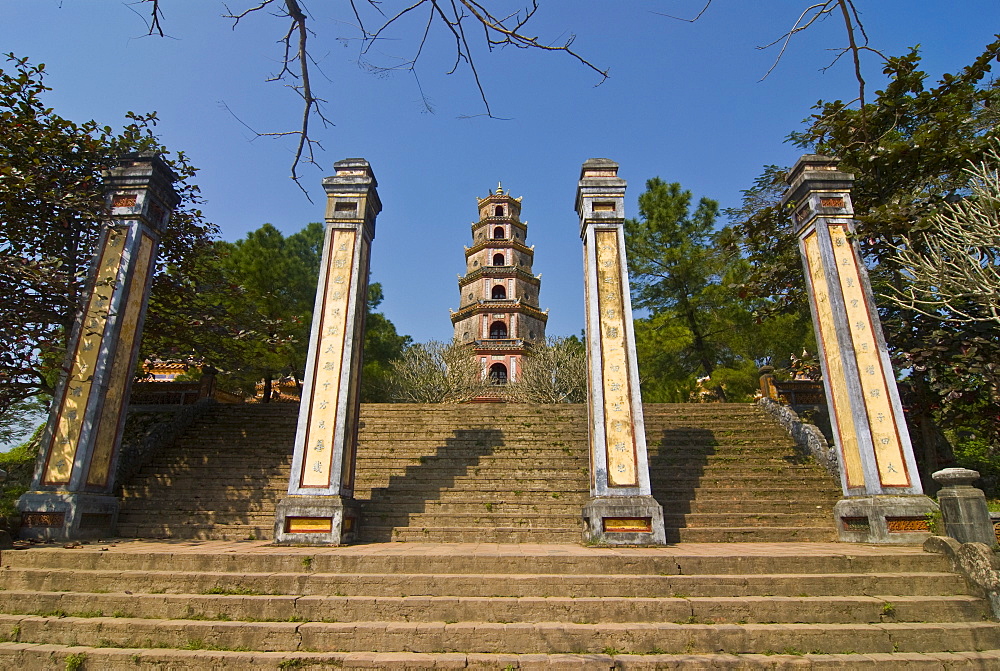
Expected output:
{"points": [[883, 498], [320, 508], [621, 509], [963, 507], [71, 493], [766, 379]]}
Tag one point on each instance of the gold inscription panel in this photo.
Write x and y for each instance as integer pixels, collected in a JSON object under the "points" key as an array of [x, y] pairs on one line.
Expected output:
{"points": [[628, 524], [834, 364], [121, 369], [618, 429], [888, 447], [66, 436], [308, 525], [351, 433], [317, 455]]}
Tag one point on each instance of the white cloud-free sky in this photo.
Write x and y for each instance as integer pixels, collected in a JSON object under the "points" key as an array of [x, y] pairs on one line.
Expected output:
{"points": [[683, 102]]}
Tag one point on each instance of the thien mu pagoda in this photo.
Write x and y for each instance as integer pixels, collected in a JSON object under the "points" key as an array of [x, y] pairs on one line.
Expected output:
{"points": [[499, 314]]}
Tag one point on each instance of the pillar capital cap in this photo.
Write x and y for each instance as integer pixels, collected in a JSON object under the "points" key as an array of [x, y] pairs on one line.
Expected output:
{"points": [[139, 171], [353, 178], [955, 477], [599, 180], [354, 167], [813, 172]]}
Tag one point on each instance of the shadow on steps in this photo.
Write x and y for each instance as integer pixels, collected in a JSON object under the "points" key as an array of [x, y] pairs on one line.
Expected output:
{"points": [[676, 463], [425, 481]]}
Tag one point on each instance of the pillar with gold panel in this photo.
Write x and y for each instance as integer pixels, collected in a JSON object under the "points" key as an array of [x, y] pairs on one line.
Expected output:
{"points": [[883, 498], [320, 508], [621, 509], [71, 495]]}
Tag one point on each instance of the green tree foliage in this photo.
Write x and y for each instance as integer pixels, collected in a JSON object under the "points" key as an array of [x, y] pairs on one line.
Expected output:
{"points": [[908, 149], [688, 274], [382, 346], [248, 312], [675, 265], [19, 463], [51, 206], [275, 287]]}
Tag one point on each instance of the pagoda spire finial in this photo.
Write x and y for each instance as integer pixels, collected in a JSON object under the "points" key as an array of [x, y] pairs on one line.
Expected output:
{"points": [[499, 188]]}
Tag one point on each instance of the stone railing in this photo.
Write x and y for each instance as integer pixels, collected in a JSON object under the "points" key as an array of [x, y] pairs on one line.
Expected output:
{"points": [[150, 429], [807, 436]]}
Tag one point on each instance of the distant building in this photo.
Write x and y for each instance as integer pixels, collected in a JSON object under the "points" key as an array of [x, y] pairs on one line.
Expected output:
{"points": [[499, 314], [160, 370]]}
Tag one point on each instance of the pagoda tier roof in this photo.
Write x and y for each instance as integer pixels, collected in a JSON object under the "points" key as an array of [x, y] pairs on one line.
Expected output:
{"points": [[501, 305], [497, 271], [508, 345], [500, 244], [494, 220]]}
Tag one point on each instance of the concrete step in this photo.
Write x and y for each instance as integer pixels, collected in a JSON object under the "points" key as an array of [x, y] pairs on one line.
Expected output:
{"points": [[478, 636], [32, 656], [259, 558], [886, 586], [498, 609]]}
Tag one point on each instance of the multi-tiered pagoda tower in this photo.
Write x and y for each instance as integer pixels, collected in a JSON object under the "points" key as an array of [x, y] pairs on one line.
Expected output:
{"points": [[499, 315]]}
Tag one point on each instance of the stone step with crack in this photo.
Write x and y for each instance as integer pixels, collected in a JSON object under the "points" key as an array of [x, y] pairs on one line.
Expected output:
{"points": [[497, 609], [477, 636], [885, 586]]}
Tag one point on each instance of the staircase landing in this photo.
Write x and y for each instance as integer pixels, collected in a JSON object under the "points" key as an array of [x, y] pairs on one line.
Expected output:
{"points": [[218, 604]]}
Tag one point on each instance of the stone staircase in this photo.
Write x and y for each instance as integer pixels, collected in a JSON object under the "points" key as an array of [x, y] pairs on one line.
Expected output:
{"points": [[730, 473], [496, 472], [503, 473], [214, 604]]}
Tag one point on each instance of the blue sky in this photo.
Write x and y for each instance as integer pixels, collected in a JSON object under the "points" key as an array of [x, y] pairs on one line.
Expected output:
{"points": [[684, 102]]}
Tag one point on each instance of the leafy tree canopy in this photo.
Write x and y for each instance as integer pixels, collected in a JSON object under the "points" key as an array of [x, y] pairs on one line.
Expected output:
{"points": [[687, 273], [52, 205], [908, 149]]}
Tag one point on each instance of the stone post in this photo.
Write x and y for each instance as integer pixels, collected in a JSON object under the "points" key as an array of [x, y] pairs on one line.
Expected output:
{"points": [[883, 498], [963, 507], [320, 508], [71, 493], [206, 383], [5, 541], [621, 509], [766, 379]]}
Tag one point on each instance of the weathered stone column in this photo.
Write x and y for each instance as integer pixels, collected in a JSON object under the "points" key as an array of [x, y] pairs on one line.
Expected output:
{"points": [[320, 507], [621, 509], [964, 511], [884, 500], [71, 493]]}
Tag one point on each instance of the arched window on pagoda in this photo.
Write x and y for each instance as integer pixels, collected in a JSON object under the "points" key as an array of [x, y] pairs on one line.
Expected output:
{"points": [[498, 233], [499, 292], [498, 260], [499, 211], [498, 374], [498, 331]]}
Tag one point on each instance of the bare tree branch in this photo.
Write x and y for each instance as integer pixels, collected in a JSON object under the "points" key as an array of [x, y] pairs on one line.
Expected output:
{"points": [[680, 18], [296, 62], [809, 16], [155, 14], [953, 267], [852, 26]]}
